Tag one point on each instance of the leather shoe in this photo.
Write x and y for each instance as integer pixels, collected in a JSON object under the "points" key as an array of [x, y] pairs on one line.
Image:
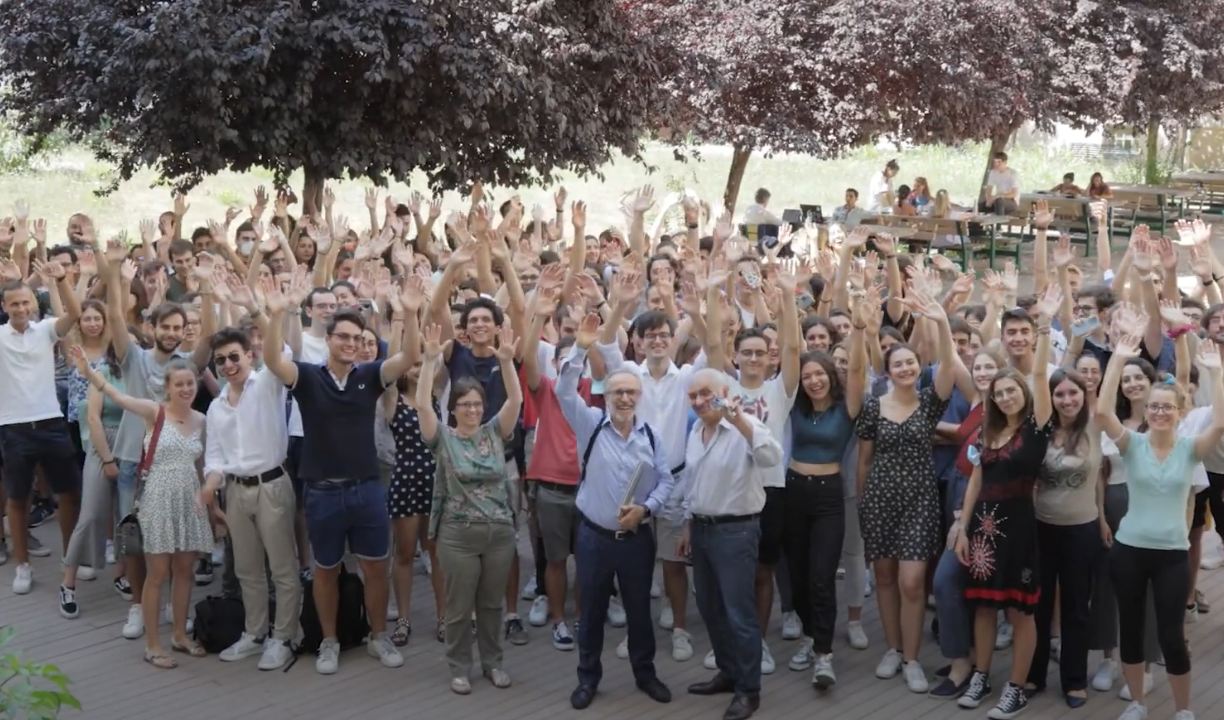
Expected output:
{"points": [[657, 691], [1075, 701], [719, 685], [742, 707], [582, 696]]}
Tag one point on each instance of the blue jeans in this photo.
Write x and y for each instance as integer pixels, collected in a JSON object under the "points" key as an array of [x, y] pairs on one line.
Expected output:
{"points": [[955, 616], [354, 513], [126, 488], [599, 560], [724, 573]]}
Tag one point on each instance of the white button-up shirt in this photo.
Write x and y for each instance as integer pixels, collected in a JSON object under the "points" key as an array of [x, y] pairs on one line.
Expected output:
{"points": [[723, 477], [252, 437], [27, 373], [664, 403]]}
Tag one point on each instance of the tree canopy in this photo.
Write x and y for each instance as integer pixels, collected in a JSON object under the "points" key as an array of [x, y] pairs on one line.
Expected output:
{"points": [[500, 90]]}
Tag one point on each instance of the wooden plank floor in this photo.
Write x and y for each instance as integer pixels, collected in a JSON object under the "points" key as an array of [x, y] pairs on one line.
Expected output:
{"points": [[112, 682]]}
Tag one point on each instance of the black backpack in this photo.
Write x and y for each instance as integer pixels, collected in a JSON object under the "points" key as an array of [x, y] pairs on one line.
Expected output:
{"points": [[352, 627], [219, 622]]}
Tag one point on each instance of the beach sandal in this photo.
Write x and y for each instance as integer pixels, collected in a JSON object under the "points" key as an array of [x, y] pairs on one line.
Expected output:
{"points": [[403, 628], [189, 648], [441, 634], [160, 660]]}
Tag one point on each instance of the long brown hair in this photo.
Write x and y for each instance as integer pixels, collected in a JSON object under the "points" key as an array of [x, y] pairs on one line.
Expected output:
{"points": [[112, 360], [1078, 429], [994, 421]]}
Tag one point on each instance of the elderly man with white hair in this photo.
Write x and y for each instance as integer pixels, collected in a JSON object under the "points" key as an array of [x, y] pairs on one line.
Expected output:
{"points": [[722, 510], [624, 482]]}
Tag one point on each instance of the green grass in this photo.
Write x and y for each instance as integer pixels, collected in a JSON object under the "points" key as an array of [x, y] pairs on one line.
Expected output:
{"points": [[64, 183]]}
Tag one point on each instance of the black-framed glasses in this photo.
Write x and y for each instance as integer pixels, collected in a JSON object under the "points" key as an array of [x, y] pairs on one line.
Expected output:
{"points": [[223, 360]]}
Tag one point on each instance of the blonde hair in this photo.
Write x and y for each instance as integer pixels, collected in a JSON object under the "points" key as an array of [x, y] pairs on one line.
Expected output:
{"points": [[942, 204]]}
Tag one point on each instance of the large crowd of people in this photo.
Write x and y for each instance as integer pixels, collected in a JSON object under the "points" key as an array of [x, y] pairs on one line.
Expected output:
{"points": [[779, 421]]}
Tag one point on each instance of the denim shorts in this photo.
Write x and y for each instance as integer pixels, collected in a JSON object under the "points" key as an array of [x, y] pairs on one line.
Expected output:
{"points": [[354, 514], [125, 488]]}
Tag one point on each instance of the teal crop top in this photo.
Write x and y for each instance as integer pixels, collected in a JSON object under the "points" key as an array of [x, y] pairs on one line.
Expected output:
{"points": [[820, 438]]}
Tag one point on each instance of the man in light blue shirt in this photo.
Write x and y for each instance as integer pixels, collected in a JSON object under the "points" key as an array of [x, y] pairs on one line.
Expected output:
{"points": [[614, 542]]}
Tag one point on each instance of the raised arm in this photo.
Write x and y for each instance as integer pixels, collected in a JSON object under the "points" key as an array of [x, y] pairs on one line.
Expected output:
{"points": [[147, 409], [1209, 360], [507, 416], [424, 390], [792, 274], [274, 343], [52, 273], [116, 297], [412, 299], [945, 376], [544, 304], [1125, 348], [1047, 307], [582, 419]]}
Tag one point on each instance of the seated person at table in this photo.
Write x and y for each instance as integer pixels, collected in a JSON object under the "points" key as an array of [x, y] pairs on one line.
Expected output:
{"points": [[1002, 191], [920, 196], [1067, 186], [1097, 189], [902, 206], [849, 215], [756, 214]]}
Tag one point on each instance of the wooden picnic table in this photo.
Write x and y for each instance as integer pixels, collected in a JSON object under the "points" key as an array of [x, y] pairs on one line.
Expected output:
{"points": [[1211, 177], [1123, 191]]}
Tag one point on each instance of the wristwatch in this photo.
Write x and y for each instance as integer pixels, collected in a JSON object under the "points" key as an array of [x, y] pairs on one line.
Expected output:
{"points": [[646, 515]]}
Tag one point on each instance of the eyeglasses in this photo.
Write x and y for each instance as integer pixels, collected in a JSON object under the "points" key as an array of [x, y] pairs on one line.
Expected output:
{"points": [[346, 338], [1161, 408], [193, 323], [469, 405], [223, 360], [651, 337], [325, 306], [754, 353], [627, 393], [1083, 310]]}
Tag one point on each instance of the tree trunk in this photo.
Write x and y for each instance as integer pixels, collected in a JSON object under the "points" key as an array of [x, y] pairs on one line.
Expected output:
{"points": [[312, 192], [998, 143], [739, 163], [1179, 146], [1151, 168]]}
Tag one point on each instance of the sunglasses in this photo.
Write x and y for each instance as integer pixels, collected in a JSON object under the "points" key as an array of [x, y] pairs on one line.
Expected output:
{"points": [[222, 360]]}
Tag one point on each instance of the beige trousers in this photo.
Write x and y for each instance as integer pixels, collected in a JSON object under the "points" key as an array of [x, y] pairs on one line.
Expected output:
{"points": [[475, 562], [260, 521]]}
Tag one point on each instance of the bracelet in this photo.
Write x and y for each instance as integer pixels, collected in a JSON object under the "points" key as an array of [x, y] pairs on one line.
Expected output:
{"points": [[692, 226], [1175, 333], [109, 462]]}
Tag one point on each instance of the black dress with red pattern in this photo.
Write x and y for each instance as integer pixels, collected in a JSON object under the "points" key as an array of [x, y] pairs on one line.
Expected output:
{"points": [[1002, 530]]}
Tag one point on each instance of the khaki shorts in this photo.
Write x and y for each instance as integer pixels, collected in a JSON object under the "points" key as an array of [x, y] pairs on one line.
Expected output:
{"points": [[558, 521], [668, 534]]}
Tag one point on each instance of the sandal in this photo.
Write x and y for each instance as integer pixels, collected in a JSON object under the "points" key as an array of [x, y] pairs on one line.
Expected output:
{"points": [[441, 634], [461, 686], [403, 628], [191, 648], [160, 660], [499, 678]]}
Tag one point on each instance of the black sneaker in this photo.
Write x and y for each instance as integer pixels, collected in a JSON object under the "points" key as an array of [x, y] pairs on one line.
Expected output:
{"points": [[306, 575], [515, 632], [124, 588], [203, 572], [68, 603], [978, 690], [42, 511], [1011, 703]]}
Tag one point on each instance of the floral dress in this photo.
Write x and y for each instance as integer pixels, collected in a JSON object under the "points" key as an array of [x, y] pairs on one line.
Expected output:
{"points": [[1002, 531], [470, 485], [171, 517], [412, 479], [899, 511]]}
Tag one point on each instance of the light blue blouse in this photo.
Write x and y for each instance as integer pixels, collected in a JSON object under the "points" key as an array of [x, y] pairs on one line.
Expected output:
{"points": [[1159, 494]]}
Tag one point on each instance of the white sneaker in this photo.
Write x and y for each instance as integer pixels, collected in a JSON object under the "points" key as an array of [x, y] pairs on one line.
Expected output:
{"points": [[1184, 715], [889, 665], [134, 627], [803, 659], [1125, 693], [529, 590], [1105, 676], [86, 573], [870, 589], [616, 613], [1192, 614], [656, 592], [110, 552], [1135, 711], [710, 663], [328, 661], [392, 608], [856, 635], [380, 646], [622, 650], [538, 616], [915, 678], [1003, 638], [218, 554], [767, 661], [822, 675], [682, 645], [791, 627], [667, 618], [247, 646], [23, 579], [276, 654], [561, 638]]}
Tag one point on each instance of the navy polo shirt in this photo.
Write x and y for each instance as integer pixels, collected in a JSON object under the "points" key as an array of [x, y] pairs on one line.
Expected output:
{"points": [[339, 422], [464, 363]]}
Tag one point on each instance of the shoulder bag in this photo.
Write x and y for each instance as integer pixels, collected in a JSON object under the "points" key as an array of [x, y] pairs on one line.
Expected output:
{"points": [[129, 540]]}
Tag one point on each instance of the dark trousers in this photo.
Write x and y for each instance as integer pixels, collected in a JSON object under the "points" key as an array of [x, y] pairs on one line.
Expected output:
{"points": [[1167, 573], [600, 560], [1068, 557], [1104, 600], [1215, 500], [814, 529], [724, 573]]}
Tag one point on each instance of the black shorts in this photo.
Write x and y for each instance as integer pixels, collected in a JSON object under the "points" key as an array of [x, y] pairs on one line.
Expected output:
{"points": [[1200, 509], [773, 520], [47, 443], [292, 462]]}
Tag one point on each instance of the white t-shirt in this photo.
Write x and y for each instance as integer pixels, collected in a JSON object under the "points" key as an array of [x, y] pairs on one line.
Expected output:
{"points": [[877, 186], [1004, 181], [1196, 422], [314, 349], [27, 373], [771, 405]]}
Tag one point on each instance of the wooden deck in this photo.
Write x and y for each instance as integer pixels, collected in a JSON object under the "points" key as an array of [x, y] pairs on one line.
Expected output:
{"points": [[112, 682]]}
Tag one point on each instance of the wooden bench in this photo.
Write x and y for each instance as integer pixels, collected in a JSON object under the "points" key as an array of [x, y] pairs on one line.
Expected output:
{"points": [[1071, 219]]}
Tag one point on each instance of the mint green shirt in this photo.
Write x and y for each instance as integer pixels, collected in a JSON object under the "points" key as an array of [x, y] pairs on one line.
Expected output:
{"points": [[1159, 494]]}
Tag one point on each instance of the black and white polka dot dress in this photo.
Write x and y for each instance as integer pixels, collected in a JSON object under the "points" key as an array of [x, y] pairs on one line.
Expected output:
{"points": [[899, 510], [412, 479]]}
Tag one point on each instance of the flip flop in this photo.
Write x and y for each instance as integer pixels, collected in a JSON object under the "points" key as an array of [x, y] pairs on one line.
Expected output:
{"points": [[191, 648], [160, 660]]}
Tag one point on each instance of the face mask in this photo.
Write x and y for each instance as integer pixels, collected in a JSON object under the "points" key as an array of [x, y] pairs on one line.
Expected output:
{"points": [[245, 247]]}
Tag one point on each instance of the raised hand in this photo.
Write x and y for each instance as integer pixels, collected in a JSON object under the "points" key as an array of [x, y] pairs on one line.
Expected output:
{"points": [[9, 270], [551, 277], [1010, 277], [261, 202], [1167, 252], [329, 197], [81, 361], [414, 294], [643, 200], [922, 303], [884, 242], [21, 212], [87, 232], [1172, 314], [433, 341], [625, 287], [943, 263], [49, 271], [1047, 304], [87, 262], [274, 299], [507, 344], [588, 331], [206, 265], [127, 269], [791, 273], [1042, 217], [1200, 263], [1063, 252], [1127, 347], [371, 198], [231, 214], [1209, 357], [545, 302], [181, 206], [578, 213]]}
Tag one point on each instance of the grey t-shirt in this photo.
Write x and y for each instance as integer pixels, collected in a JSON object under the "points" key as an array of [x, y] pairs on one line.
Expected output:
{"points": [[144, 378]]}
